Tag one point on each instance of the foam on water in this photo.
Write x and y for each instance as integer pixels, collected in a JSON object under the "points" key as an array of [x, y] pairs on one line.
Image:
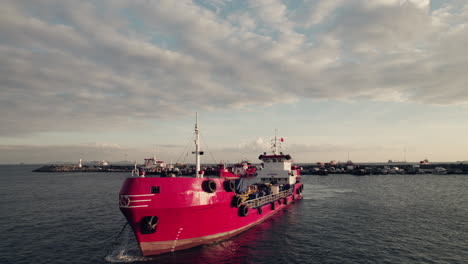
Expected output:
{"points": [[125, 248]]}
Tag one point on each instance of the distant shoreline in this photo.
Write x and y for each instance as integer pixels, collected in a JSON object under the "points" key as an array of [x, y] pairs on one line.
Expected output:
{"points": [[306, 168], [76, 168]]}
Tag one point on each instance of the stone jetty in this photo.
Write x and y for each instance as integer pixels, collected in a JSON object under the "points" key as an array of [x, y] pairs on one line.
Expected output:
{"points": [[76, 168]]}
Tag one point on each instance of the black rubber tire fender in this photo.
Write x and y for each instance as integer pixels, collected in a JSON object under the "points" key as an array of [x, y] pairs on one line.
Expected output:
{"points": [[229, 185], [243, 210], [209, 186], [236, 201], [260, 210]]}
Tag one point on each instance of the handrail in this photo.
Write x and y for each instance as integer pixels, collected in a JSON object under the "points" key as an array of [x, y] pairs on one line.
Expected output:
{"points": [[267, 199]]}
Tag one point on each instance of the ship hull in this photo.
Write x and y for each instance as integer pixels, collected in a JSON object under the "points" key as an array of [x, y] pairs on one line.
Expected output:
{"points": [[187, 215], [160, 247]]}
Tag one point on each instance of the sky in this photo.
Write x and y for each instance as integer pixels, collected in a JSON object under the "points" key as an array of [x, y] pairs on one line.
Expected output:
{"points": [[122, 80]]}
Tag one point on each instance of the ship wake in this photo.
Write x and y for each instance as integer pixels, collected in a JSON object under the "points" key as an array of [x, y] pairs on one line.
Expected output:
{"points": [[125, 248], [321, 192]]}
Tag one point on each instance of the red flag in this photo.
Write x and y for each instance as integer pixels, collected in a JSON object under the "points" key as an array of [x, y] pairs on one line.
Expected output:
{"points": [[282, 139]]}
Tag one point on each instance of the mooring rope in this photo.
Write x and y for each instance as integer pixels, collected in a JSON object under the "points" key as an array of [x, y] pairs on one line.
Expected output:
{"points": [[115, 240], [208, 149]]}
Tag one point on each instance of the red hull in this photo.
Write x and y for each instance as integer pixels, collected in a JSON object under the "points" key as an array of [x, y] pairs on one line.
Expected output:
{"points": [[187, 216]]}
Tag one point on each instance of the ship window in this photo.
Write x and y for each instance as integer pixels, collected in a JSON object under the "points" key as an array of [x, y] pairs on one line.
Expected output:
{"points": [[154, 189]]}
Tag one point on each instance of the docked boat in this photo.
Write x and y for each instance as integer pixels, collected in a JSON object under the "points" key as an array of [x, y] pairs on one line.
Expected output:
{"points": [[175, 213], [440, 170], [153, 166]]}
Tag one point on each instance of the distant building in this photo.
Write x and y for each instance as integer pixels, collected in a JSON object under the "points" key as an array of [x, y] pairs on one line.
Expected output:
{"points": [[103, 163]]}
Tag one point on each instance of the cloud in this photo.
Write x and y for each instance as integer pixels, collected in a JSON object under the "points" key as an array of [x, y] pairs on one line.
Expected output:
{"points": [[13, 154], [84, 66], [321, 11], [259, 145], [256, 146], [91, 151]]}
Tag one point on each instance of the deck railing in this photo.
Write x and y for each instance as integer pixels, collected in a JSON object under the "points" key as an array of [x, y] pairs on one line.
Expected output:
{"points": [[267, 199]]}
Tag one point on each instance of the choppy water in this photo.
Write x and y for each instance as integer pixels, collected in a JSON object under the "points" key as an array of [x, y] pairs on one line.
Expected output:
{"points": [[74, 218]]}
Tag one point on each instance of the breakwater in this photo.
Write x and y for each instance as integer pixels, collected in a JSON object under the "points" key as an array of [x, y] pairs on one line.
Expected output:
{"points": [[76, 168], [306, 169]]}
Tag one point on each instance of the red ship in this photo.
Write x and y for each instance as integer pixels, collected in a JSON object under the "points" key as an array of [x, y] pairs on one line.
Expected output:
{"points": [[174, 213]]}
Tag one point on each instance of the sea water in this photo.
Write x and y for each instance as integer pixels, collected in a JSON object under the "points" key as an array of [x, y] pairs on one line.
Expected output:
{"points": [[74, 218]]}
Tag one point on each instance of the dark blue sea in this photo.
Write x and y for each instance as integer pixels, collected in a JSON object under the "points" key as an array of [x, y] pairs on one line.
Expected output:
{"points": [[74, 218]]}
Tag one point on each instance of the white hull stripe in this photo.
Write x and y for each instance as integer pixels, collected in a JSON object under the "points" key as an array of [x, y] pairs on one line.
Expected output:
{"points": [[126, 200], [133, 206]]}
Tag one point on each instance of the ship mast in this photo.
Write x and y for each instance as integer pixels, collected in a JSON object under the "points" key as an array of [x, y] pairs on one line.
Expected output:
{"points": [[275, 145], [197, 148]]}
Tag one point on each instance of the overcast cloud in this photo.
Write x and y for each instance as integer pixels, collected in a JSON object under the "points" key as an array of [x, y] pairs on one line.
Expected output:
{"points": [[86, 66], [112, 61]]}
